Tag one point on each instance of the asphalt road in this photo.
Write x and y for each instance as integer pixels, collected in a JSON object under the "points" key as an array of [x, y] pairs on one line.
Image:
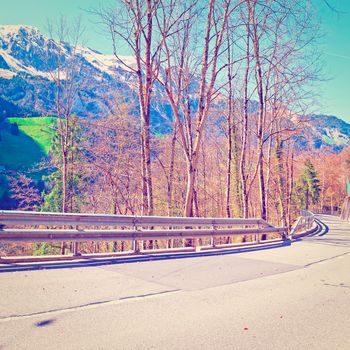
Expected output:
{"points": [[292, 297]]}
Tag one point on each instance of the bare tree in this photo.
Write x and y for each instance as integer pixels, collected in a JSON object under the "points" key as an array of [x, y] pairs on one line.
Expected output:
{"points": [[217, 14], [66, 75], [131, 23], [112, 162], [25, 193]]}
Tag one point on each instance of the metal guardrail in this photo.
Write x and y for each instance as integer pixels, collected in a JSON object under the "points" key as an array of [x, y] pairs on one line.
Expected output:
{"points": [[303, 224], [64, 227], [44, 218]]}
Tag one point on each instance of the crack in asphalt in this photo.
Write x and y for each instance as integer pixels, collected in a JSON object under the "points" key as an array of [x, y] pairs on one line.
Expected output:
{"points": [[327, 259], [86, 306], [340, 285]]}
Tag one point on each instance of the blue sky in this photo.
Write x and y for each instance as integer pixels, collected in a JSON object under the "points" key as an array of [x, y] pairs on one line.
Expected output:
{"points": [[334, 97]]}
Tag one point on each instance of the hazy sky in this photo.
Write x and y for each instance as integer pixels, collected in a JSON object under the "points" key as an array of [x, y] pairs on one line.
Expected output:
{"points": [[334, 94]]}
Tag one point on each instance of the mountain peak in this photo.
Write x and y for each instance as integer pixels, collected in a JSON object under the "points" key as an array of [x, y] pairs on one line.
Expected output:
{"points": [[29, 61], [10, 30]]}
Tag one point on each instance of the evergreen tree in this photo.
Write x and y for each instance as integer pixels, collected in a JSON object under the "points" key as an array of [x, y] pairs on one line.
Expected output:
{"points": [[14, 129], [308, 188], [53, 194]]}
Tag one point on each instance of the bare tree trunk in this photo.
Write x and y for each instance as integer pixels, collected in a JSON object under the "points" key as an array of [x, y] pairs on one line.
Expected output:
{"points": [[146, 117], [64, 193], [146, 167], [261, 117], [189, 190], [228, 176], [291, 188], [280, 172], [243, 176], [205, 189], [229, 126], [268, 173], [171, 171]]}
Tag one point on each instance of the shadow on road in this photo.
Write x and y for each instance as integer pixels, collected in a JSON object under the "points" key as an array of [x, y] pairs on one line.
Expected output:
{"points": [[326, 228], [45, 323]]}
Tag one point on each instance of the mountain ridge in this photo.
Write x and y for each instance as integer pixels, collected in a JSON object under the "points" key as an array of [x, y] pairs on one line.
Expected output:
{"points": [[27, 62]]}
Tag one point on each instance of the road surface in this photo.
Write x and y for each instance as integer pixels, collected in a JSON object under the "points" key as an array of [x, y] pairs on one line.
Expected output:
{"points": [[292, 297]]}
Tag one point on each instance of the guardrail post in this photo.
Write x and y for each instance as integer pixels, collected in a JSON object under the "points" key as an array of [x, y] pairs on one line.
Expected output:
{"points": [[257, 236], [212, 238], [135, 246], [76, 249], [194, 243], [75, 246]]}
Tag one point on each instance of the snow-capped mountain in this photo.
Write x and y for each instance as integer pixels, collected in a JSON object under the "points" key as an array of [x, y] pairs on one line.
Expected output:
{"points": [[25, 50], [324, 132], [28, 63]]}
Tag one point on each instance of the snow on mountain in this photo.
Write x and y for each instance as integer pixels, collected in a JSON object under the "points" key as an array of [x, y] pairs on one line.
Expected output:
{"points": [[106, 63], [28, 63], [24, 49], [6, 73], [9, 31], [325, 132]]}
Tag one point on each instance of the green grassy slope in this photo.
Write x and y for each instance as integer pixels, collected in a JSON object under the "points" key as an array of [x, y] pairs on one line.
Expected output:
{"points": [[20, 152], [39, 129]]}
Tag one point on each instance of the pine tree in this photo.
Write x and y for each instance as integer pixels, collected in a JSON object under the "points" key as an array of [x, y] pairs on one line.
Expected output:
{"points": [[308, 188]]}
